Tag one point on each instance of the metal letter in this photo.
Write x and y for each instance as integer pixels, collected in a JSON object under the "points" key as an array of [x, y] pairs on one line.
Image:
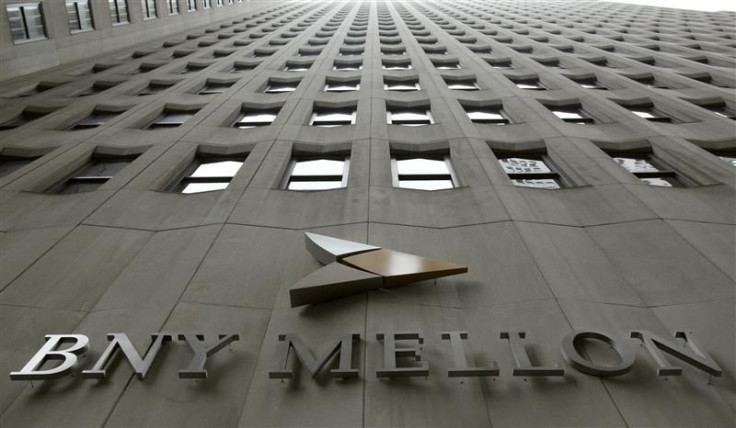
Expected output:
{"points": [[343, 346], [196, 368], [580, 363], [695, 357], [120, 341], [49, 352], [391, 353], [521, 358], [461, 368]]}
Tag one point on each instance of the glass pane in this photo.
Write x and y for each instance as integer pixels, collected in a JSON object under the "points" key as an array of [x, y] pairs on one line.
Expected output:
{"points": [[483, 115], [256, 119], [547, 183], [85, 16], [529, 86], [16, 23], [217, 169], [408, 116], [462, 86], [729, 159], [280, 88], [524, 166], [658, 182], [397, 67], [314, 185], [341, 87], [426, 184], [71, 12], [421, 166], [568, 114], [35, 21], [401, 86], [203, 187], [333, 117], [96, 119], [318, 167], [636, 164], [174, 118]]}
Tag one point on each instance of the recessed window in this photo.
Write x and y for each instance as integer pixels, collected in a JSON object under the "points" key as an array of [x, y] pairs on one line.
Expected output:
{"points": [[297, 66], [20, 120], [729, 157], [409, 116], [721, 110], [252, 118], [171, 119], [572, 114], [648, 169], [149, 8], [331, 118], [423, 173], [530, 84], [335, 86], [393, 51], [191, 68], [208, 174], [555, 64], [530, 171], [651, 82], [94, 89], [173, 6], [492, 115], [119, 12], [26, 22], [317, 174], [347, 66], [191, 5], [275, 87], [396, 65], [501, 64], [96, 172], [79, 16], [401, 85], [154, 88], [462, 84], [94, 120], [243, 66], [435, 50], [206, 4], [211, 88], [10, 164], [650, 113], [591, 84]]}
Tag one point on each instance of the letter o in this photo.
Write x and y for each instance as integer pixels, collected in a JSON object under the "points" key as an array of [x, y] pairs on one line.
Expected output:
{"points": [[582, 364]]}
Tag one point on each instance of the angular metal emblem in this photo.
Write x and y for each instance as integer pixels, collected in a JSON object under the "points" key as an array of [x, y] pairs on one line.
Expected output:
{"points": [[352, 268]]}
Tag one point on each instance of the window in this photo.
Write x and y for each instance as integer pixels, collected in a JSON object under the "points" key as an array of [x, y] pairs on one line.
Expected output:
{"points": [[173, 6], [423, 173], [10, 164], [721, 110], [334, 86], [191, 5], [297, 66], [530, 171], [171, 119], [26, 22], [97, 118], [651, 82], [274, 87], [208, 174], [317, 174], [409, 117], [591, 84], [149, 9], [492, 115], [396, 65], [648, 169], [219, 3], [531, 84], [243, 66], [206, 4], [331, 118], [154, 88], [253, 118], [20, 120], [191, 68], [728, 156], [572, 114], [552, 64], [211, 88], [96, 172], [119, 12], [462, 84], [79, 16], [347, 66], [650, 113], [401, 85], [446, 65]]}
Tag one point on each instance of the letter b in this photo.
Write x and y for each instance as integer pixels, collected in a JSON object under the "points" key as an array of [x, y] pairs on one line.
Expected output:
{"points": [[49, 352]]}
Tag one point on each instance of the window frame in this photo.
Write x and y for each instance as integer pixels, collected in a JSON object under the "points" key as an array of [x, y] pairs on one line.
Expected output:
{"points": [[289, 176], [24, 22], [553, 175], [115, 15], [503, 120], [397, 178]]}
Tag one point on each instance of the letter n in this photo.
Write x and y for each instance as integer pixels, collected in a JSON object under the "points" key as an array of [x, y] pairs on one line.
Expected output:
{"points": [[694, 356]]}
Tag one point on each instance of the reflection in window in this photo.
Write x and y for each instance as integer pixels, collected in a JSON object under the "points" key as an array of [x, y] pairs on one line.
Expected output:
{"points": [[423, 173], [462, 85], [572, 115], [96, 172], [651, 114], [256, 118], [492, 115], [401, 85], [409, 117], [332, 86], [279, 87], [317, 174], [211, 88], [332, 118], [530, 172], [649, 170], [149, 9], [205, 175], [403, 65], [532, 85]]}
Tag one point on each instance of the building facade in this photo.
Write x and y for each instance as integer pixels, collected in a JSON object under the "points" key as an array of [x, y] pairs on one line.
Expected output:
{"points": [[161, 162]]}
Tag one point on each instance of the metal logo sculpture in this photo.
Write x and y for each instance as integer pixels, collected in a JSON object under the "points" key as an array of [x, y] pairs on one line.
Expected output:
{"points": [[352, 268]]}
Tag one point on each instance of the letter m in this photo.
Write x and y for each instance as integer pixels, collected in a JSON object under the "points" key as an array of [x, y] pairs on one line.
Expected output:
{"points": [[343, 346], [694, 356]]}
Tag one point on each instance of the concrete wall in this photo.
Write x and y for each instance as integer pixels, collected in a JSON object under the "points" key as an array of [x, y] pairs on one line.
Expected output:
{"points": [[608, 252]]}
